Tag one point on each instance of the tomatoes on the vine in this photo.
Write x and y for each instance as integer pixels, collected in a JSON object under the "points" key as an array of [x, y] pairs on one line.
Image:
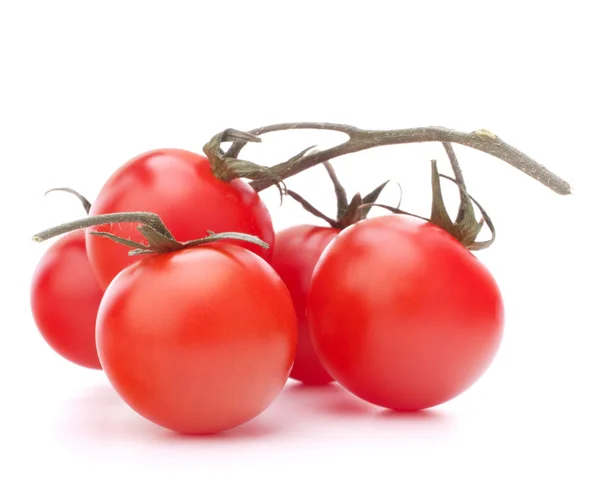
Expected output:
{"points": [[402, 315], [297, 250], [198, 340], [65, 297], [179, 186]]}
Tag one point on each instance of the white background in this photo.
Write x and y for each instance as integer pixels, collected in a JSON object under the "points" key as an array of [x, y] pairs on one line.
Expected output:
{"points": [[86, 86]]}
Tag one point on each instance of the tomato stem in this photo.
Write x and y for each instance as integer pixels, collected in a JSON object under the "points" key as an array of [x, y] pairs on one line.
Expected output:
{"points": [[473, 245], [87, 205], [348, 213], [359, 140], [465, 227], [232, 168], [460, 180], [149, 219], [160, 239], [467, 238]]}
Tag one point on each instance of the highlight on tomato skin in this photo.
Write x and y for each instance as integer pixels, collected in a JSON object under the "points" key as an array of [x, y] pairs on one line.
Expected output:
{"points": [[297, 250], [65, 297], [199, 340], [402, 315], [178, 186]]}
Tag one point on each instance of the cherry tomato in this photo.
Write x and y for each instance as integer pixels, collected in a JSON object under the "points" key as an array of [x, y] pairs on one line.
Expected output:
{"points": [[297, 250], [199, 340], [178, 186], [402, 315], [65, 297]]}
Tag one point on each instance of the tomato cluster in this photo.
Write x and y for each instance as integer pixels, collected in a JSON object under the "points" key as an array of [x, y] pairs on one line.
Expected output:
{"points": [[200, 338]]}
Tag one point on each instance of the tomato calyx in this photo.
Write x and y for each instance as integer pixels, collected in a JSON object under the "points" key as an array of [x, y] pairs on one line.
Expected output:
{"points": [[465, 227], [228, 168], [159, 239], [348, 212], [225, 168]]}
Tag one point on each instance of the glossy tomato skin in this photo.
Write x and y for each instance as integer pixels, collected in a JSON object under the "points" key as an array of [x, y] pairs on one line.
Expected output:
{"points": [[297, 250], [65, 297], [200, 340], [402, 315], [179, 186]]}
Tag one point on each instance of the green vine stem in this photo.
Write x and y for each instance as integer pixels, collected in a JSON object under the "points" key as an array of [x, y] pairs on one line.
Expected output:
{"points": [[149, 219], [159, 238], [87, 205], [360, 139], [348, 212]]}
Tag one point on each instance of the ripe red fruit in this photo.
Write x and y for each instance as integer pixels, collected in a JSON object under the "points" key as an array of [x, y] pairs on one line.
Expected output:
{"points": [[402, 314], [198, 340], [65, 296], [297, 250], [178, 186]]}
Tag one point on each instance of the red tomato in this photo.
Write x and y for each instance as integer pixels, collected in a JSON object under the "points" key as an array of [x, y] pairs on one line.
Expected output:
{"points": [[65, 297], [199, 340], [178, 186], [297, 250], [402, 315]]}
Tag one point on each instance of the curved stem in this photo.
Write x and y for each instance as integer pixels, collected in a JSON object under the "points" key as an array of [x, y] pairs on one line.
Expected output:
{"points": [[87, 205], [359, 140], [149, 219], [466, 214], [456, 169], [237, 146]]}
